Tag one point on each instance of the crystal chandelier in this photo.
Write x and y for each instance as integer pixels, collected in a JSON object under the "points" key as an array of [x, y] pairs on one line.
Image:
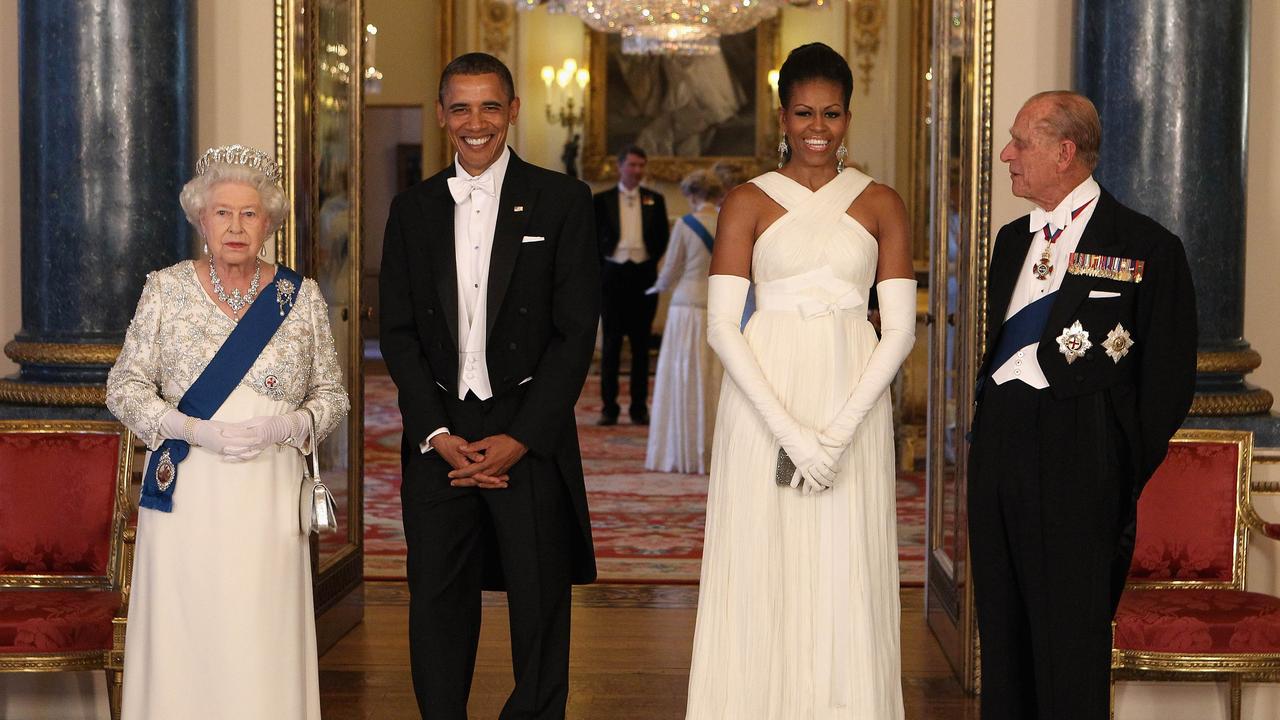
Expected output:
{"points": [[667, 27]]}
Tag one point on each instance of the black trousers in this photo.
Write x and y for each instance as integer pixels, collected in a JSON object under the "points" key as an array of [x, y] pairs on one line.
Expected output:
{"points": [[1048, 489], [627, 312], [454, 536]]}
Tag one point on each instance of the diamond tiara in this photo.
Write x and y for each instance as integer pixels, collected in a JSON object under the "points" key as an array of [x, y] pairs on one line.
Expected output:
{"points": [[240, 155]]}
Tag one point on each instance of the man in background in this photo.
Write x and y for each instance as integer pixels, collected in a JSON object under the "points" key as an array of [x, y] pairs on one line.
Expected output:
{"points": [[632, 231]]}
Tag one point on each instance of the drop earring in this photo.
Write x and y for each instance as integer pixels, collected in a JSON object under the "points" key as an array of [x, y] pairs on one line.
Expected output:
{"points": [[842, 155], [783, 151], [206, 247]]}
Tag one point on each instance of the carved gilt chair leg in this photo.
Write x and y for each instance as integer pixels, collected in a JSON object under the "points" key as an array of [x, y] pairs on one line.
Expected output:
{"points": [[1235, 697], [115, 689]]}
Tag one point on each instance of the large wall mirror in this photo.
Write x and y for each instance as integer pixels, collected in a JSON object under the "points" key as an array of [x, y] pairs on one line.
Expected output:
{"points": [[958, 231], [319, 105]]}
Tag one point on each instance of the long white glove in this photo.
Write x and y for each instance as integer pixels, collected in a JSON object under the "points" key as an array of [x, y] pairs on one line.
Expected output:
{"points": [[260, 433], [212, 435], [726, 297], [897, 336]]}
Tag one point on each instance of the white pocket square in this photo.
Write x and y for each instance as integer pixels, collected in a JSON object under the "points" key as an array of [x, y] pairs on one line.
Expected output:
{"points": [[1103, 294], [532, 238]]}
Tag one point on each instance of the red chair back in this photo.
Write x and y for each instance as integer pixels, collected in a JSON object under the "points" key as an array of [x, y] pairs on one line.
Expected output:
{"points": [[63, 497], [1189, 531]]}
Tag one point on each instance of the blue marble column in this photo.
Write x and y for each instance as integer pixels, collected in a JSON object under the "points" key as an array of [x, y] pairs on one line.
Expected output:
{"points": [[1171, 82], [106, 142]]}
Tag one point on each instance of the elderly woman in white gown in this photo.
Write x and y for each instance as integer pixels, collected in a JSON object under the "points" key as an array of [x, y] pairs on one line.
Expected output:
{"points": [[687, 385], [228, 370]]}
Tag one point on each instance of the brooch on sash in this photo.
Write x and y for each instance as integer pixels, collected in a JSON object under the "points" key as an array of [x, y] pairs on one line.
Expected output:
{"points": [[1118, 343], [1106, 266], [284, 294], [1074, 342], [165, 472]]}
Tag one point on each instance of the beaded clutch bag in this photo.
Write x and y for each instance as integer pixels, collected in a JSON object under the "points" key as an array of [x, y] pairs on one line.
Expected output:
{"points": [[785, 470]]}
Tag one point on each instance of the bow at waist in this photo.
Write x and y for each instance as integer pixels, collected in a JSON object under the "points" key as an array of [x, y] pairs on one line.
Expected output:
{"points": [[811, 302]]}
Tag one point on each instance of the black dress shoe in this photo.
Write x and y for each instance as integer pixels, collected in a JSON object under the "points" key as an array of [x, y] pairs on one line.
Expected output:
{"points": [[607, 419]]}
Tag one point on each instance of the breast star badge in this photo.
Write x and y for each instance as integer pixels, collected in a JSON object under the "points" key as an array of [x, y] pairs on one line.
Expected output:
{"points": [[1074, 342], [1118, 343]]}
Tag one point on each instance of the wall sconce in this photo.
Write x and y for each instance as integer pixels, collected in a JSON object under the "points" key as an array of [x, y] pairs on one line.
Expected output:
{"points": [[566, 106], [773, 84]]}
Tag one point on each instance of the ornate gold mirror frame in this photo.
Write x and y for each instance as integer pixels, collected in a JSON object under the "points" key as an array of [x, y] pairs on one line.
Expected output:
{"points": [[959, 232], [598, 159], [318, 110]]}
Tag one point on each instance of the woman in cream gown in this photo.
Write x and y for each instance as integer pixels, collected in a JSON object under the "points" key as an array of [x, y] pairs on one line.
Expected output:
{"points": [[798, 611], [686, 386], [221, 621]]}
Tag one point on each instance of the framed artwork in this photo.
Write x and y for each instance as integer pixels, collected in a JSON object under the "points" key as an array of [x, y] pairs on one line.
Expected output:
{"points": [[687, 112]]}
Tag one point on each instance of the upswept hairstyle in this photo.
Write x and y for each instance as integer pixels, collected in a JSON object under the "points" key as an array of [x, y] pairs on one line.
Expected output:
{"points": [[478, 63], [195, 194], [815, 61], [702, 185]]}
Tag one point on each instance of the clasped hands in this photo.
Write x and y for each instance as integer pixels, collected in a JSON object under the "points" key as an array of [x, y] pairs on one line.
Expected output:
{"points": [[483, 463], [239, 441], [816, 455]]}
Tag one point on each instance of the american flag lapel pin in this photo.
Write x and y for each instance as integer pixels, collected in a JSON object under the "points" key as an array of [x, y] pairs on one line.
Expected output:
{"points": [[518, 208]]}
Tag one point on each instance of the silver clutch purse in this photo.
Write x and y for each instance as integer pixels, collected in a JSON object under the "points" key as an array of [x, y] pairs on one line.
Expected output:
{"points": [[317, 509]]}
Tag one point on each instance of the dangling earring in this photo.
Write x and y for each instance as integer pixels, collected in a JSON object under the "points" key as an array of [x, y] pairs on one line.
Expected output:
{"points": [[263, 251], [206, 247], [783, 151], [842, 155]]}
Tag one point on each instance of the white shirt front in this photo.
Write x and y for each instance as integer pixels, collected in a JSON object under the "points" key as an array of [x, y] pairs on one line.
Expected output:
{"points": [[630, 227], [1023, 365], [475, 219]]}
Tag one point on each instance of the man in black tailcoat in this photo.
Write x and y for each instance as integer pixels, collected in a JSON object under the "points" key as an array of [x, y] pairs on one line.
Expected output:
{"points": [[633, 233], [1089, 370], [489, 298]]}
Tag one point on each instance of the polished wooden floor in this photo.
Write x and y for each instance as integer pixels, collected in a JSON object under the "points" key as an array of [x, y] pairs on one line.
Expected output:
{"points": [[630, 658]]}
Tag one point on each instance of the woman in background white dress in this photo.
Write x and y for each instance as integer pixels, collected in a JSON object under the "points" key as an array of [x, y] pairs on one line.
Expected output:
{"points": [[798, 604], [221, 621], [687, 384]]}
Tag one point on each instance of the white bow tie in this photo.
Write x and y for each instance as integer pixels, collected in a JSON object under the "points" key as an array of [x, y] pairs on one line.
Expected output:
{"points": [[1056, 220], [462, 188]]}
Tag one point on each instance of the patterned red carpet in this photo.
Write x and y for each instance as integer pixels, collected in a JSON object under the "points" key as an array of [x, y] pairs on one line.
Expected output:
{"points": [[647, 526]]}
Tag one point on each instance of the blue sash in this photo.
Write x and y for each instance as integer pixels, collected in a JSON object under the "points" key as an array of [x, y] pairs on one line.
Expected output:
{"points": [[223, 373], [1025, 327], [699, 229]]}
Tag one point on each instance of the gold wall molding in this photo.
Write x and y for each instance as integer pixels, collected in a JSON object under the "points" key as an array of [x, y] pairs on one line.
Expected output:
{"points": [[1250, 402], [24, 393], [44, 353], [868, 21], [497, 29], [1230, 361]]}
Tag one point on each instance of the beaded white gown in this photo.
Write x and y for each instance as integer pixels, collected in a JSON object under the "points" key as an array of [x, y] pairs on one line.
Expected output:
{"points": [[220, 614], [798, 612]]}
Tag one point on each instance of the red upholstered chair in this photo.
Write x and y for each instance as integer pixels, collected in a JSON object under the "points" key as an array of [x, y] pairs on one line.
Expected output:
{"points": [[1185, 614], [64, 560]]}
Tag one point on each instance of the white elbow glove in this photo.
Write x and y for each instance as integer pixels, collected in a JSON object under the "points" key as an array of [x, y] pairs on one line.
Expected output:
{"points": [[726, 297], [897, 336]]}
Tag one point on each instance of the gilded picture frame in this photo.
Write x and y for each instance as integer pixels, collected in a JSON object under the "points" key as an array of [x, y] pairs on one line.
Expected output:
{"points": [[754, 151], [319, 105]]}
